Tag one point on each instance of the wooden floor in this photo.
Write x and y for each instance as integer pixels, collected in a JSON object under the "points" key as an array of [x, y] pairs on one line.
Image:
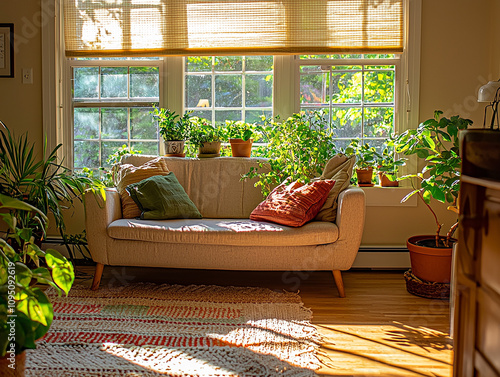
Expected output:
{"points": [[379, 329]]}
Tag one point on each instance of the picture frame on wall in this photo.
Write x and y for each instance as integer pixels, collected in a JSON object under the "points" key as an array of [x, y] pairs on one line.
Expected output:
{"points": [[6, 50]]}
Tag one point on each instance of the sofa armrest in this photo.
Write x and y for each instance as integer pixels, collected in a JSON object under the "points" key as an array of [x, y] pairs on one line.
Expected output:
{"points": [[99, 213], [351, 220]]}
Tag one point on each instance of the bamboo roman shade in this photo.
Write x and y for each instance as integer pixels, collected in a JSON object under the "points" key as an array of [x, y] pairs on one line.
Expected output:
{"points": [[226, 27]]}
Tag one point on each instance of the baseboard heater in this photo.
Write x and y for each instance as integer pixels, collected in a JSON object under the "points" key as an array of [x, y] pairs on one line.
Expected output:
{"points": [[382, 258]]}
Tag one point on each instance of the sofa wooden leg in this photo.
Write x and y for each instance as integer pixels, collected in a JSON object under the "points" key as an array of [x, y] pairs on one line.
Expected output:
{"points": [[338, 282], [99, 268]]}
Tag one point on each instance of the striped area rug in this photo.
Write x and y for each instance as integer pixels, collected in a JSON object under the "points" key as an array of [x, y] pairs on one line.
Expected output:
{"points": [[163, 330]]}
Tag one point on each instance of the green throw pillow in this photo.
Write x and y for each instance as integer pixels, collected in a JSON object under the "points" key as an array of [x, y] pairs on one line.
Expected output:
{"points": [[162, 197]]}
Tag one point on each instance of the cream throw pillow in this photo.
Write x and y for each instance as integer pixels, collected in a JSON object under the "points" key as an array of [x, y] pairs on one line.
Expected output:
{"points": [[127, 174], [338, 168]]}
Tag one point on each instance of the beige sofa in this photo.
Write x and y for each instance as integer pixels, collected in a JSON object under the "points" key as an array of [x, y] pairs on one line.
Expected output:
{"points": [[224, 238]]}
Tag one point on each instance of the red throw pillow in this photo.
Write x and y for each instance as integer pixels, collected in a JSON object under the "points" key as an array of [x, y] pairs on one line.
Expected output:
{"points": [[293, 204]]}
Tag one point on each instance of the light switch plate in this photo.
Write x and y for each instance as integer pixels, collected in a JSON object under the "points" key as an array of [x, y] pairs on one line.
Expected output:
{"points": [[27, 75]]}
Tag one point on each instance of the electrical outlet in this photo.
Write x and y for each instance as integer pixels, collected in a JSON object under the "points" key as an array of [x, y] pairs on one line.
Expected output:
{"points": [[27, 75]]}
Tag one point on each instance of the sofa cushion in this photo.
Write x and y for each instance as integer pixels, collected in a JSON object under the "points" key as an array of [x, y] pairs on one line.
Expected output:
{"points": [[338, 168], [214, 184], [162, 197], [127, 174], [293, 204], [236, 232]]}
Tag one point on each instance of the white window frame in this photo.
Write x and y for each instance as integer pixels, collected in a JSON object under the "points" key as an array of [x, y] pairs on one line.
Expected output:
{"points": [[286, 96]]}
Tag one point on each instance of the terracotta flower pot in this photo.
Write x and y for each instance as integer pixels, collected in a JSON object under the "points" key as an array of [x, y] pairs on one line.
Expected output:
{"points": [[13, 367], [385, 181], [241, 148], [365, 177], [211, 149], [174, 148], [429, 263]]}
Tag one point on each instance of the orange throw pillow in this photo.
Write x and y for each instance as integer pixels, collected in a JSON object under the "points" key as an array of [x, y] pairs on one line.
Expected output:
{"points": [[293, 204], [127, 174]]}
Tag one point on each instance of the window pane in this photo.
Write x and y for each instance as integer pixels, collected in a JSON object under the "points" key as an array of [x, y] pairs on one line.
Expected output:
{"points": [[228, 63], [254, 116], [108, 148], [86, 154], [86, 82], [346, 122], [142, 124], [221, 116], [114, 82], [86, 123], [146, 147], [144, 82], [228, 91], [335, 56], [259, 63], [346, 87], [314, 88], [199, 64], [378, 121], [114, 123], [198, 87], [207, 114], [379, 86], [259, 90]]}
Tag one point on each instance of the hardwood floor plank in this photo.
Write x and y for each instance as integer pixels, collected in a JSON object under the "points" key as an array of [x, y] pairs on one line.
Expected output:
{"points": [[378, 329]]}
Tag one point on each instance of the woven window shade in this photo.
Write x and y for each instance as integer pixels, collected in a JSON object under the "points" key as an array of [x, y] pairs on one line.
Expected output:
{"points": [[222, 27]]}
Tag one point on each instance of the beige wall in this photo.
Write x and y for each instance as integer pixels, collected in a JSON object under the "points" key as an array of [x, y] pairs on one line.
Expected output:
{"points": [[459, 53], [21, 104]]}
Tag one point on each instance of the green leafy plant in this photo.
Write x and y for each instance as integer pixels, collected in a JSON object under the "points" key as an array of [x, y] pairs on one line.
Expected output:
{"points": [[242, 130], [44, 183], [297, 147], [436, 142], [172, 127], [201, 131], [366, 156], [387, 162], [25, 310]]}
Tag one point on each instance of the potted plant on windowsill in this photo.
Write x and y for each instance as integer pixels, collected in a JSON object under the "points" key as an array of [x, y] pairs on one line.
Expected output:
{"points": [[174, 130], [206, 137], [241, 136], [25, 310], [366, 160], [388, 165], [436, 143]]}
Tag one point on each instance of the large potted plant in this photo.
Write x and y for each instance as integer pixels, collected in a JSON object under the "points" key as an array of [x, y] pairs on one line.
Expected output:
{"points": [[173, 129], [44, 183], [435, 142], [241, 136], [206, 137], [25, 310], [366, 161]]}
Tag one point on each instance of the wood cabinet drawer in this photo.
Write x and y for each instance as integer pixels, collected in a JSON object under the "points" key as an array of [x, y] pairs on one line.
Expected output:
{"points": [[488, 327], [490, 256]]}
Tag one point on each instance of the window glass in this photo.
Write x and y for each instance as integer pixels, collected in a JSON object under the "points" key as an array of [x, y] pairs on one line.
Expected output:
{"points": [[223, 88], [112, 105], [359, 99]]}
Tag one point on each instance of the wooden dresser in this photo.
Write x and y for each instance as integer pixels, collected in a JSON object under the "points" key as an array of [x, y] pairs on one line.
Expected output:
{"points": [[477, 260]]}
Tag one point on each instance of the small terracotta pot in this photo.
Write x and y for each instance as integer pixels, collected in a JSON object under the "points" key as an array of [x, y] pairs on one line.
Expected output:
{"points": [[365, 177], [385, 181], [18, 365], [174, 148], [430, 263], [211, 148], [241, 148]]}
